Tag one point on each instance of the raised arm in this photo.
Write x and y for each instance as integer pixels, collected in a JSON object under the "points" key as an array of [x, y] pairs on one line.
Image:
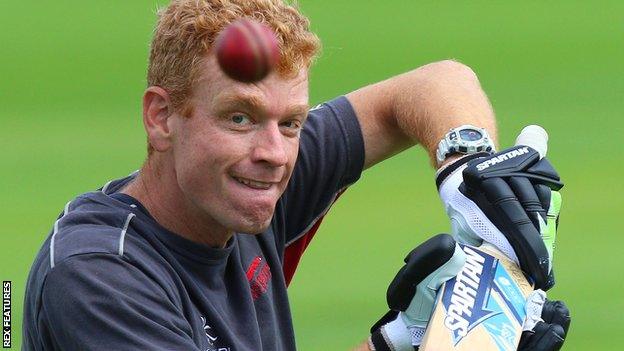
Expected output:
{"points": [[419, 107]]}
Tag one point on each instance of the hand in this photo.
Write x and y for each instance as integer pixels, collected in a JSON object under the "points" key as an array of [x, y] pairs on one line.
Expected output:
{"points": [[509, 199], [412, 292], [546, 324]]}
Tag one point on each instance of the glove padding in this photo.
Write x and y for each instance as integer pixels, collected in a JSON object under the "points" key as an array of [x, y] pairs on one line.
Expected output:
{"points": [[513, 188], [549, 333], [411, 297], [510, 200], [411, 294]]}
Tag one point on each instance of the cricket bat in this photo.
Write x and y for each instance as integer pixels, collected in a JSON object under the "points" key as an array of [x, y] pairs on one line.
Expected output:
{"points": [[483, 307]]}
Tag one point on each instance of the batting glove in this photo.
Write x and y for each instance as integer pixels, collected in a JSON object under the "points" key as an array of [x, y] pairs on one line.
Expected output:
{"points": [[411, 297], [411, 294], [509, 199], [546, 324]]}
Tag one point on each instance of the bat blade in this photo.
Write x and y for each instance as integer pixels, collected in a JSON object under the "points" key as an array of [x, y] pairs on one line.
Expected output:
{"points": [[482, 308]]}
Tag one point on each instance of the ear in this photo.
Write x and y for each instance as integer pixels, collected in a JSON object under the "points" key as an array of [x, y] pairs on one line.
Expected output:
{"points": [[156, 111]]}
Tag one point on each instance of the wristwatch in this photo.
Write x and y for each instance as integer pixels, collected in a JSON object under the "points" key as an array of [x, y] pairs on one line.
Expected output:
{"points": [[465, 140]]}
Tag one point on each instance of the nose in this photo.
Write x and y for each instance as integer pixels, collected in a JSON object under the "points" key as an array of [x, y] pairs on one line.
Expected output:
{"points": [[270, 146]]}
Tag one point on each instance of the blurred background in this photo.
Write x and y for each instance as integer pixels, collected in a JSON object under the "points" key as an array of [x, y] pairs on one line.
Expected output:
{"points": [[72, 74]]}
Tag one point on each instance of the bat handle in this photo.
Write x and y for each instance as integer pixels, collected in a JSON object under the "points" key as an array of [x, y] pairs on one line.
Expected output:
{"points": [[534, 137]]}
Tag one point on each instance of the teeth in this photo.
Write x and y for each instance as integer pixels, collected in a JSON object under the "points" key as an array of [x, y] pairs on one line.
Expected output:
{"points": [[253, 184]]}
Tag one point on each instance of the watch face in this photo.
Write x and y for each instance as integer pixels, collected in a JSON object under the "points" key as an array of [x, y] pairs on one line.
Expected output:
{"points": [[470, 135]]}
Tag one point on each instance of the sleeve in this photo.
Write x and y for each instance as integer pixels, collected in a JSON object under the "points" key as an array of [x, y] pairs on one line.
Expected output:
{"points": [[331, 157], [102, 302]]}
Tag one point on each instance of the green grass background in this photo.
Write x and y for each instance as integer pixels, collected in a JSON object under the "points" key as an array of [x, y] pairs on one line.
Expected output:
{"points": [[72, 74]]}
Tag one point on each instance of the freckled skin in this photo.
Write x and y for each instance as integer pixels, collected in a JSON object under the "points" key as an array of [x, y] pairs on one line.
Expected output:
{"points": [[207, 152], [236, 132]]}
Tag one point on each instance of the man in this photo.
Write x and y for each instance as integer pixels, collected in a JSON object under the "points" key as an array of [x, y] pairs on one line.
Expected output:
{"points": [[194, 251]]}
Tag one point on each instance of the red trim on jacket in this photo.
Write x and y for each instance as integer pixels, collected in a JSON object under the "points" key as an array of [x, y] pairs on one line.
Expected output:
{"points": [[294, 251]]}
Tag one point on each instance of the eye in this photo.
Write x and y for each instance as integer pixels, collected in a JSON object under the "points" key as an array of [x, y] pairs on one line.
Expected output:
{"points": [[240, 119], [291, 127], [292, 124]]}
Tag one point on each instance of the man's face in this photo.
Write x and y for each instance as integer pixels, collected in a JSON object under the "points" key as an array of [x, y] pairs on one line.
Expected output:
{"points": [[234, 155]]}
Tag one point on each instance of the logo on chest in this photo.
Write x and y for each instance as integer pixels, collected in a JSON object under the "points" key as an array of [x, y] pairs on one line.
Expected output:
{"points": [[259, 276]]}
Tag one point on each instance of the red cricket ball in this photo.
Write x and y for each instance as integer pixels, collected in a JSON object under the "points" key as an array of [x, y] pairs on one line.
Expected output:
{"points": [[247, 50]]}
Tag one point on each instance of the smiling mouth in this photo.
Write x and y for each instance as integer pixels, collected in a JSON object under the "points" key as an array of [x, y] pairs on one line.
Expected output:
{"points": [[254, 184]]}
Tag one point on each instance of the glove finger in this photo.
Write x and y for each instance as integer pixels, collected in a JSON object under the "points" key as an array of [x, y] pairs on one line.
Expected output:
{"points": [[544, 337], [555, 206], [548, 228], [543, 193], [529, 199], [512, 220], [546, 196], [543, 172], [419, 263], [556, 312]]}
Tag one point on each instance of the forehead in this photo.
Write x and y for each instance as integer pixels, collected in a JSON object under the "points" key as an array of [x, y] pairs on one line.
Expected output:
{"points": [[275, 94]]}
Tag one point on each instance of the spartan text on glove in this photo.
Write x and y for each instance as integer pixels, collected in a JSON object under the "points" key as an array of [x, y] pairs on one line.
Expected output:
{"points": [[504, 157]]}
